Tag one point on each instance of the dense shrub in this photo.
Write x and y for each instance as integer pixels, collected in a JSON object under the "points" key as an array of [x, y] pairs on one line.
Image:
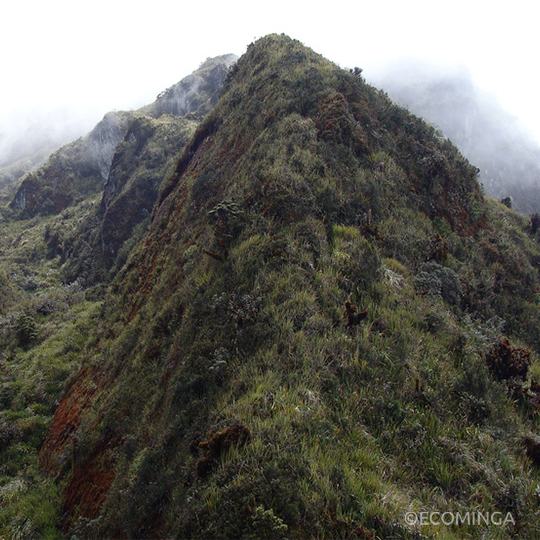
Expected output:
{"points": [[26, 330], [508, 362], [438, 280]]}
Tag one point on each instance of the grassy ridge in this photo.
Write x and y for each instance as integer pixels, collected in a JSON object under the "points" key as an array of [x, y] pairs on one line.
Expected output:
{"points": [[234, 401], [223, 391]]}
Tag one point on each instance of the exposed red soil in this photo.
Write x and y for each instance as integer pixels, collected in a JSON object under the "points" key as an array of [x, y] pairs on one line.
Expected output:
{"points": [[90, 482], [91, 479], [60, 438]]}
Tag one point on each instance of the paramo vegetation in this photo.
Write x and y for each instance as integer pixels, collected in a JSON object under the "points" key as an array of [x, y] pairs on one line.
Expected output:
{"points": [[212, 379]]}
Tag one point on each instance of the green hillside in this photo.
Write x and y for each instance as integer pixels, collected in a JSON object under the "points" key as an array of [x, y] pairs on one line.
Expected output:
{"points": [[55, 262], [325, 326]]}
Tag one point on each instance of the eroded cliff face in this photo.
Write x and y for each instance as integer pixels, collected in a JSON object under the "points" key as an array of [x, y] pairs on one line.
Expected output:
{"points": [[53, 273], [89, 484], [104, 138]]}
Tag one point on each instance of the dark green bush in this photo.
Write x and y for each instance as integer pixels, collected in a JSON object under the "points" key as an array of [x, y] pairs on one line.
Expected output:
{"points": [[26, 330]]}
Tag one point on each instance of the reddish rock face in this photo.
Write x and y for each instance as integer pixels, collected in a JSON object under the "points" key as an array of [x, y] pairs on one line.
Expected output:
{"points": [[92, 477]]}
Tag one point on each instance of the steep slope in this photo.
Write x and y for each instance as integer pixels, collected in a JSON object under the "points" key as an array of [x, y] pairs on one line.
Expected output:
{"points": [[140, 161], [225, 395], [491, 138], [51, 271]]}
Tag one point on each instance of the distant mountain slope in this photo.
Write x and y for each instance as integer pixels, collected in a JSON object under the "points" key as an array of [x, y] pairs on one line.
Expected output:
{"points": [[28, 138], [23, 151], [78, 169], [491, 138], [81, 168], [197, 93], [313, 337]]}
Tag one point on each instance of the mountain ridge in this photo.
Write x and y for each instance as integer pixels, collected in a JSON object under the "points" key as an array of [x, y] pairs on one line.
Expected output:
{"points": [[264, 414], [320, 326]]}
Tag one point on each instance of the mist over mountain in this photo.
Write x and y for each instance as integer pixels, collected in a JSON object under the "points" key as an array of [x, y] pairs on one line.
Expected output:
{"points": [[492, 139], [271, 304], [26, 132], [82, 167], [197, 93], [27, 138]]}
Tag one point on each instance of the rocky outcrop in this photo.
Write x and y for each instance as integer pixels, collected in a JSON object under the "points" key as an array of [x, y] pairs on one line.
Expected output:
{"points": [[104, 138]]}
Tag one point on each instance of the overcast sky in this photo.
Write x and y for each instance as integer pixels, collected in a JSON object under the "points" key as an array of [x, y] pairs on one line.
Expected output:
{"points": [[116, 54]]}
